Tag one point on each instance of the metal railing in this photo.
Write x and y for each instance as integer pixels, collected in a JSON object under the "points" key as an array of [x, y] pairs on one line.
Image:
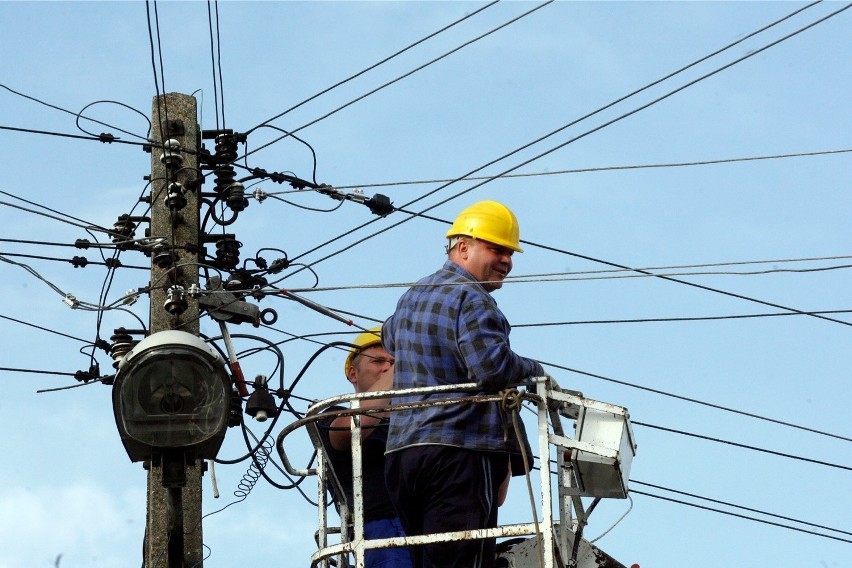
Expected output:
{"points": [[557, 537]]}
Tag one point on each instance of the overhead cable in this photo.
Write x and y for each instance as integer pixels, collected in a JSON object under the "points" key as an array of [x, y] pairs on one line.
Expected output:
{"points": [[36, 371], [373, 66], [744, 446], [216, 64], [571, 140], [77, 114], [44, 328], [64, 217], [604, 169], [405, 75], [637, 492], [717, 501], [696, 401], [678, 319]]}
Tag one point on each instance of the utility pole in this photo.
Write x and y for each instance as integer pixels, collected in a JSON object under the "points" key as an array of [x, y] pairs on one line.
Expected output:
{"points": [[173, 526]]}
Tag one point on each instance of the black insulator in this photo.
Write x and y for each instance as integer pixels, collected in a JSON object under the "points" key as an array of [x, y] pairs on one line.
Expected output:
{"points": [[123, 229], [82, 243], [226, 148], [112, 263], [224, 178], [226, 153], [122, 342], [164, 259], [235, 197], [79, 261], [228, 253]]}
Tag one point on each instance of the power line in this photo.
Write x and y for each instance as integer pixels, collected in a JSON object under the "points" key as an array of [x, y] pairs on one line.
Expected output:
{"points": [[605, 169], [373, 66], [692, 284], [216, 63], [82, 226], [676, 319], [405, 75], [695, 401], [574, 139], [633, 481], [637, 492], [702, 265], [106, 138], [620, 273], [77, 261], [76, 114], [43, 328], [567, 277], [36, 371], [80, 244], [744, 446]]}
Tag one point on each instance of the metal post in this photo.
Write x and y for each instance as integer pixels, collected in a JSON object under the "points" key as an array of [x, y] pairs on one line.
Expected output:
{"points": [[173, 529]]}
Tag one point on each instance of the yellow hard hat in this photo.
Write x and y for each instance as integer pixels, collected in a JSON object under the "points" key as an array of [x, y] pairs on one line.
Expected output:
{"points": [[369, 338], [489, 221]]}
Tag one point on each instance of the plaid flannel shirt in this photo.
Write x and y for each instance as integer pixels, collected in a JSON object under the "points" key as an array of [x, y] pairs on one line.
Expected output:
{"points": [[447, 329]]}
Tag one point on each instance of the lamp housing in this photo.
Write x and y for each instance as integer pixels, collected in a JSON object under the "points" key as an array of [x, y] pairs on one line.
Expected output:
{"points": [[171, 393]]}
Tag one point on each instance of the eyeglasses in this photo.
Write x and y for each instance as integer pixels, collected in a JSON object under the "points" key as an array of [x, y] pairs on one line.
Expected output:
{"points": [[381, 360]]}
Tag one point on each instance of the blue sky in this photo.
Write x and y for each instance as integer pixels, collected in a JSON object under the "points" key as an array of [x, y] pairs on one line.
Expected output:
{"points": [[712, 205]]}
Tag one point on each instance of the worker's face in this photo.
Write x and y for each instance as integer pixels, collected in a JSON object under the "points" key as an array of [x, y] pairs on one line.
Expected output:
{"points": [[372, 367], [487, 262]]}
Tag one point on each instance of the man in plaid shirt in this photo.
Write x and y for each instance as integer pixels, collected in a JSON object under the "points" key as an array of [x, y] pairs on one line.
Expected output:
{"points": [[447, 466]]}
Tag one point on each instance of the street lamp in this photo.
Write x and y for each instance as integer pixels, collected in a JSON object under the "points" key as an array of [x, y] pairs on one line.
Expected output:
{"points": [[171, 400]]}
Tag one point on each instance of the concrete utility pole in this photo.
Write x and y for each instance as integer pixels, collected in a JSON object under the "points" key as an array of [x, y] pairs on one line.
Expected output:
{"points": [[173, 528]]}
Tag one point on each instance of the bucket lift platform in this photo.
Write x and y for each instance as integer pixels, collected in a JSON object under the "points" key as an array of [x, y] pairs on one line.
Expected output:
{"points": [[593, 463]]}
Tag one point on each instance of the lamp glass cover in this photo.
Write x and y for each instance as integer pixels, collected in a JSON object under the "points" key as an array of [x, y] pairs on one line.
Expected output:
{"points": [[173, 398]]}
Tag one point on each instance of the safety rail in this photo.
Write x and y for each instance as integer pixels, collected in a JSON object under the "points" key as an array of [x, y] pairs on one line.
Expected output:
{"points": [[594, 464]]}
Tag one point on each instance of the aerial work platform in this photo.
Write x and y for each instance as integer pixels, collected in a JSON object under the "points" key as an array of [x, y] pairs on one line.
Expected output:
{"points": [[593, 463]]}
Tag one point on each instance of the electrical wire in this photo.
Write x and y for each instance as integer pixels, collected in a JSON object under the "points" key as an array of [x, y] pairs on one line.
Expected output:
{"points": [[603, 169], [764, 521], [41, 328], [615, 524], [104, 138], [676, 319], [102, 135], [213, 63], [408, 74], [77, 261], [726, 503], [580, 136], [618, 273], [696, 401], [745, 446], [373, 66], [161, 110], [214, 51], [58, 215], [77, 115], [36, 371], [35, 273]]}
